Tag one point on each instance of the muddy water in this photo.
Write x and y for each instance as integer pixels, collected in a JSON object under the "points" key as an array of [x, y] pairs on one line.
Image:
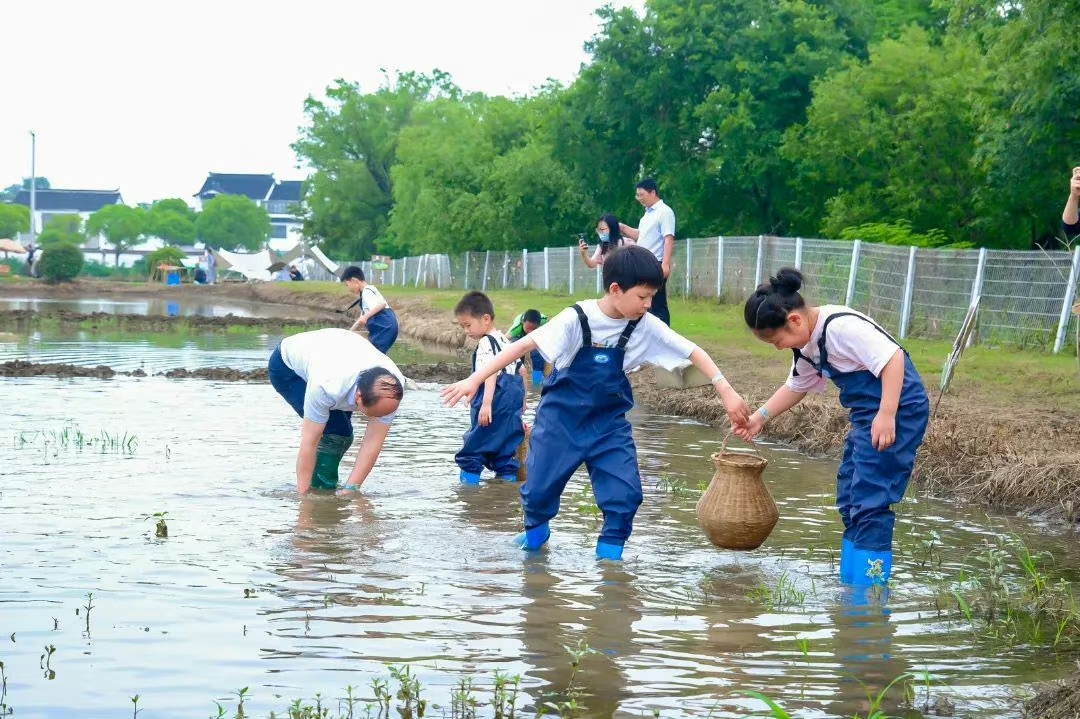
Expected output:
{"points": [[255, 587], [161, 307], [126, 351]]}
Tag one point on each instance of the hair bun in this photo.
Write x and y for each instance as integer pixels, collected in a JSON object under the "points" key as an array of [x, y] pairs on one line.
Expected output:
{"points": [[788, 281]]}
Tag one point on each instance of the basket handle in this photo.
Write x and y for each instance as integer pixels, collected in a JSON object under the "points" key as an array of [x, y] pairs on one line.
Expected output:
{"points": [[723, 445]]}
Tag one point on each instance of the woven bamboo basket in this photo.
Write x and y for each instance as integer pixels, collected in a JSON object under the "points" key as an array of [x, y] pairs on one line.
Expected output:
{"points": [[522, 453], [737, 511]]}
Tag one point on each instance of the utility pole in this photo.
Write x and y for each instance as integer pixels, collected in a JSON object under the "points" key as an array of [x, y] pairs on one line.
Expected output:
{"points": [[33, 187]]}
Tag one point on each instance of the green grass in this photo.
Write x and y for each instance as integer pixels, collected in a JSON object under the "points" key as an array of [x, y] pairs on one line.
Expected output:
{"points": [[1007, 377]]}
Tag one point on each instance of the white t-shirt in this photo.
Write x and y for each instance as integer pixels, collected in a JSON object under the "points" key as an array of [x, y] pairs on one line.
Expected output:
{"points": [[657, 222], [623, 241], [651, 342], [371, 297], [853, 344], [485, 353], [329, 361]]}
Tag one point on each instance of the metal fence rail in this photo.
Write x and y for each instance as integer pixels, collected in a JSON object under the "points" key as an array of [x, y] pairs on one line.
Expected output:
{"points": [[1026, 297]]}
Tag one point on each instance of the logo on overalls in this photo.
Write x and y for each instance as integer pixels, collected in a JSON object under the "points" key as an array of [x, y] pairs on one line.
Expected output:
{"points": [[601, 358]]}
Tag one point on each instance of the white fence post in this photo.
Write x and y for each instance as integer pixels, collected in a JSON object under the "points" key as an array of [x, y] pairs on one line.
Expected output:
{"points": [[467, 270], [909, 290], [719, 266], [599, 279], [524, 269], [419, 268], [980, 270], [856, 249], [570, 254], [547, 273], [1066, 302], [393, 266], [438, 271], [798, 253], [689, 263], [760, 265], [506, 268], [487, 264]]}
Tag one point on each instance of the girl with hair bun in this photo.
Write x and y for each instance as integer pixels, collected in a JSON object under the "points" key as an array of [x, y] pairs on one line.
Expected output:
{"points": [[887, 404]]}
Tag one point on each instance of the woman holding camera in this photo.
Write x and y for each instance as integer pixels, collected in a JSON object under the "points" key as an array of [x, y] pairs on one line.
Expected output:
{"points": [[607, 229]]}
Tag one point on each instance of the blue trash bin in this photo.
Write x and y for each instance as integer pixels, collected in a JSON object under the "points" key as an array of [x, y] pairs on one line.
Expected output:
{"points": [[173, 278]]}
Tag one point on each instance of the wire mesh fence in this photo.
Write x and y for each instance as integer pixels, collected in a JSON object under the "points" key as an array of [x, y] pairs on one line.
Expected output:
{"points": [[1026, 298]]}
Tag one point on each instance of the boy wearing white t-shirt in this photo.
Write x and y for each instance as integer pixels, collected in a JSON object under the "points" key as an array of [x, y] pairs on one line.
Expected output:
{"points": [[375, 312], [581, 418], [496, 430], [326, 375]]}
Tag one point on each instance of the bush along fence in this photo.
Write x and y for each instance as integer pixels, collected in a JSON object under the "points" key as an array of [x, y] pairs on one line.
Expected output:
{"points": [[1025, 298]]}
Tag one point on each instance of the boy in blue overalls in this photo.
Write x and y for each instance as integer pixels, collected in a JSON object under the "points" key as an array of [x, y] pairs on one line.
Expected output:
{"points": [[496, 430], [375, 311], [883, 393], [581, 418]]}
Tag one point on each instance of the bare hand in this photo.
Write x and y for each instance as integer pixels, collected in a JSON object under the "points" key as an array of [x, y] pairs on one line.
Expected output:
{"points": [[883, 431], [1074, 184], [485, 415], [666, 266], [737, 409], [361, 322], [583, 245], [751, 428], [465, 389]]}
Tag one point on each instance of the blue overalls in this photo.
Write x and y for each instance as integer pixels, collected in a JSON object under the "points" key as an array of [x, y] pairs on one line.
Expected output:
{"points": [[582, 418], [869, 481], [537, 368], [383, 329], [494, 446]]}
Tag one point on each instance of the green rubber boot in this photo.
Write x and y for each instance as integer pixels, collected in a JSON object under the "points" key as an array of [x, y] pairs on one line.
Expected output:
{"points": [[328, 454]]}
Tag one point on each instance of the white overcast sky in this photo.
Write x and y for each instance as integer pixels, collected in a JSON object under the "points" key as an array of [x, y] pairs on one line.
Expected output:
{"points": [[150, 96]]}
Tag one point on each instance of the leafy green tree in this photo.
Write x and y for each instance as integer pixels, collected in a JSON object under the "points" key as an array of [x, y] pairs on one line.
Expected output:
{"points": [[121, 225], [234, 222], [62, 229], [13, 220], [894, 138], [351, 142], [172, 220]]}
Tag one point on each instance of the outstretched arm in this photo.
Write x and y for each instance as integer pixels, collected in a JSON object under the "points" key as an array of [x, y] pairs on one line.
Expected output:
{"points": [[466, 388]]}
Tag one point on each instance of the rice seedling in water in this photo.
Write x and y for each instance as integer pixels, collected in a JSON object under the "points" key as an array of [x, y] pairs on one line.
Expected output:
{"points": [[785, 593], [46, 662], [71, 436], [5, 708], [161, 529]]}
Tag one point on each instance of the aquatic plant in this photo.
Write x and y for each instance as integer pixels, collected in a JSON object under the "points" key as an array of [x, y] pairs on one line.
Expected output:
{"points": [[785, 593], [161, 529], [71, 436]]}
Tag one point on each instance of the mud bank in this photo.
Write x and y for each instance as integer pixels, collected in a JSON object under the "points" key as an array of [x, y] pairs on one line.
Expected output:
{"points": [[151, 323], [441, 372]]}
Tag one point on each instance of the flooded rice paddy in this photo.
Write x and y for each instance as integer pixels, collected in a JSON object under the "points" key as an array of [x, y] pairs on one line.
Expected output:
{"points": [[292, 597]]}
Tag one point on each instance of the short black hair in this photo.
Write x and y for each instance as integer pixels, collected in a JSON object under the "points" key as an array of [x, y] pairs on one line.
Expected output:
{"points": [[378, 383], [531, 316], [630, 266], [768, 308], [352, 272], [649, 185], [475, 304]]}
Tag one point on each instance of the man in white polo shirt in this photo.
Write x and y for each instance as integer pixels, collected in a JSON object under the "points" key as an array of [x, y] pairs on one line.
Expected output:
{"points": [[656, 233], [326, 375]]}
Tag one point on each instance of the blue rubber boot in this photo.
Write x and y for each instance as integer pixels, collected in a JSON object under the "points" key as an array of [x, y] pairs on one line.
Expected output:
{"points": [[538, 377], [532, 539], [847, 551], [605, 550], [869, 568], [469, 477], [509, 478]]}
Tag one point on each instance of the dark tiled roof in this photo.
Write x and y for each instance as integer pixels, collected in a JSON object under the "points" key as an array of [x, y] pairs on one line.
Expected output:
{"points": [[72, 200], [287, 191], [254, 186]]}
